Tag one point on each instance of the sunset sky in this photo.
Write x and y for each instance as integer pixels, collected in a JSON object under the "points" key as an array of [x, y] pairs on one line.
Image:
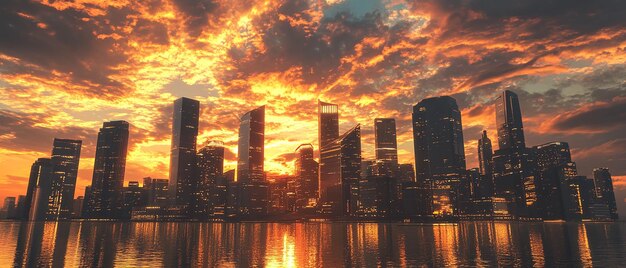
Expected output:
{"points": [[67, 66]]}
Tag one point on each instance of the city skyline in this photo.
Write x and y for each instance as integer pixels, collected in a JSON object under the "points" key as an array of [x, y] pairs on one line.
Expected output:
{"points": [[438, 102], [372, 60]]}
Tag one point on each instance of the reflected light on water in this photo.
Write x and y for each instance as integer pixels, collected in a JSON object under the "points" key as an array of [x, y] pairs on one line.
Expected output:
{"points": [[149, 244]]}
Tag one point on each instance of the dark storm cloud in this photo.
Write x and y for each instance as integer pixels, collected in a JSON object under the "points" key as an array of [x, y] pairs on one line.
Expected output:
{"points": [[65, 41], [197, 13], [152, 32], [318, 53], [595, 117], [20, 132]]}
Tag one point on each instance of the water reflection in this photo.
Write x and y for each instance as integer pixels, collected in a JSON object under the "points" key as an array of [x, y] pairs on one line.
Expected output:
{"points": [[310, 244]]}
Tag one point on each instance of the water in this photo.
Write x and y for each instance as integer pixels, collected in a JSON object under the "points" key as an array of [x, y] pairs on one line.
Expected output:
{"points": [[80, 244]]}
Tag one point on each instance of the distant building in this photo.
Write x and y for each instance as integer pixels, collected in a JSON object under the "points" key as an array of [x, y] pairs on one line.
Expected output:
{"points": [[604, 189], [340, 174], [183, 181], [483, 187], [9, 207], [552, 154], [386, 144], [307, 177], [105, 200], [485, 155], [378, 197], [439, 153], [157, 191], [77, 207], [407, 172], [367, 168], [134, 197]]}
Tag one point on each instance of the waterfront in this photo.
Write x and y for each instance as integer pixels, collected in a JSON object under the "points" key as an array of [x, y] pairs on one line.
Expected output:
{"points": [[151, 244]]}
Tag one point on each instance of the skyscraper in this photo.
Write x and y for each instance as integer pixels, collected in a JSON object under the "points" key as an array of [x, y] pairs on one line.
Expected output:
{"points": [[183, 181], [328, 123], [253, 189], [340, 174], [485, 154], [251, 146], [483, 186], [439, 152], [108, 173], [66, 156], [40, 189], [604, 189], [210, 169], [40, 170], [307, 176], [509, 121], [513, 163], [385, 140]]}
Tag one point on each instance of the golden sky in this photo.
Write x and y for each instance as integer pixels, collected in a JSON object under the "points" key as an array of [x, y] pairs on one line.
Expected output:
{"points": [[67, 66]]}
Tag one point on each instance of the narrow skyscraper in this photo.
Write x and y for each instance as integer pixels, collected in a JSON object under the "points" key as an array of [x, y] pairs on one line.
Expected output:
{"points": [[251, 146], [108, 173], [39, 189], [439, 153], [253, 190], [483, 184], [604, 189], [66, 157], [341, 173], [183, 181], [513, 163], [328, 123], [509, 122], [385, 140], [485, 155]]}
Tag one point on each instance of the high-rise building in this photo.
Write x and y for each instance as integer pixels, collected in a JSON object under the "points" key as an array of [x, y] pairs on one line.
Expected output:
{"points": [[105, 200], [66, 156], [307, 176], [211, 170], [385, 140], [183, 180], [554, 168], [253, 189], [509, 121], [41, 170], [40, 189], [485, 155], [340, 174], [328, 123], [251, 146], [483, 186], [439, 153], [604, 189], [513, 163]]}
